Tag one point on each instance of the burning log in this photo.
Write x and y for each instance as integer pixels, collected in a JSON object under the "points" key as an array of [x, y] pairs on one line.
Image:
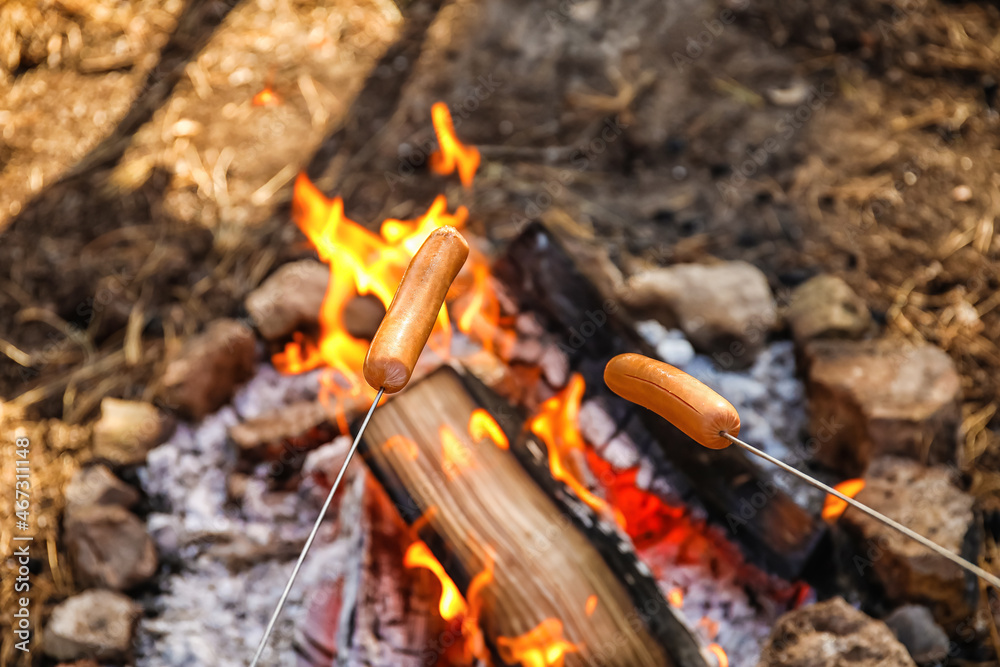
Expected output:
{"points": [[777, 534], [542, 576]]}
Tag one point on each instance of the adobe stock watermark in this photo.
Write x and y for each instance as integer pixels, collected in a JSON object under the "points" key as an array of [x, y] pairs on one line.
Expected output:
{"points": [[580, 159], [698, 45], [784, 130], [800, 455]]}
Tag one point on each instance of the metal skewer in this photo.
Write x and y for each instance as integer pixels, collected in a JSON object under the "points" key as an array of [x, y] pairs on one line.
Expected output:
{"points": [[315, 530], [937, 548]]}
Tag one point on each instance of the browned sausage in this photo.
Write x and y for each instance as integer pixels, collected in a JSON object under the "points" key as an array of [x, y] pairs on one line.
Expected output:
{"points": [[410, 318], [674, 395]]}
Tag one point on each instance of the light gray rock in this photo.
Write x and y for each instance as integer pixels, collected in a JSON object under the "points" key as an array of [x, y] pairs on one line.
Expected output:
{"points": [[97, 485], [94, 624], [878, 398], [289, 299], [826, 307], [832, 634], [915, 628], [726, 310], [127, 430]]}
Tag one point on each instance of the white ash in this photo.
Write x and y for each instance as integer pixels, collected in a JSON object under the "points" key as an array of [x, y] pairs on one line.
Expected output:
{"points": [[621, 452], [210, 611], [671, 345], [771, 402], [596, 425]]}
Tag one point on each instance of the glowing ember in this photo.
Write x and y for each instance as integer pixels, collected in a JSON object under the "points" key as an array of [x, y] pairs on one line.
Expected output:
{"points": [[452, 603], [543, 646], [591, 605], [711, 627], [403, 444], [721, 659], [556, 425], [455, 454], [833, 506], [452, 154], [676, 597], [482, 425], [266, 98]]}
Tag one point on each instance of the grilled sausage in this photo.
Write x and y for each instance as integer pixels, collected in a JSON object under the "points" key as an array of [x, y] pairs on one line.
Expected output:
{"points": [[410, 318], [682, 400]]}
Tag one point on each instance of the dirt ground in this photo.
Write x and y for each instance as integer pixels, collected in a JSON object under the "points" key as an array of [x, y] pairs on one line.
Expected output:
{"points": [[144, 193]]}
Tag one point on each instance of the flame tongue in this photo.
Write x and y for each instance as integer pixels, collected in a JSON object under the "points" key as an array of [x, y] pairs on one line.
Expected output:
{"points": [[542, 646], [452, 603], [453, 154], [833, 506], [556, 425]]}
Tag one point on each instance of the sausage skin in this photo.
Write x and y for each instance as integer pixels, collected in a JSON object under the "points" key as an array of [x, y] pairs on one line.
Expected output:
{"points": [[682, 400], [410, 317]]}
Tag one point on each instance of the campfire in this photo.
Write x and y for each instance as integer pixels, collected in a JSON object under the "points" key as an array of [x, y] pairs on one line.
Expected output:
{"points": [[408, 334], [458, 439]]}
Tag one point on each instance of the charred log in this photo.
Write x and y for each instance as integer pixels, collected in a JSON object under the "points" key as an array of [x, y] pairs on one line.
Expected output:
{"points": [[542, 277]]}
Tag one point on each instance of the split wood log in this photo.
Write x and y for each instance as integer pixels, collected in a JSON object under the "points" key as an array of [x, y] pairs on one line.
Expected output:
{"points": [[472, 501], [543, 278]]}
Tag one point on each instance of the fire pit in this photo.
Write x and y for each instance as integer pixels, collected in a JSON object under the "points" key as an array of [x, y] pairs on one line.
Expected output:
{"points": [[724, 204]]}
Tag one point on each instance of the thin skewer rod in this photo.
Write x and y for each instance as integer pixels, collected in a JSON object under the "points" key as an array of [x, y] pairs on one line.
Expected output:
{"points": [[933, 546], [315, 530]]}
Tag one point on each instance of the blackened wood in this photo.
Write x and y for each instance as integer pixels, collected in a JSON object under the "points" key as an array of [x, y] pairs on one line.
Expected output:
{"points": [[774, 532], [546, 566]]}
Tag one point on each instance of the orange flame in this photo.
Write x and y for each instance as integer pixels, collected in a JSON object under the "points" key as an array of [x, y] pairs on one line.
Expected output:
{"points": [[453, 154], [404, 444], [676, 597], [556, 425], [721, 659], [482, 425], [591, 605], [475, 645], [361, 262], [266, 98], [478, 311], [833, 506], [542, 646], [452, 603], [455, 454]]}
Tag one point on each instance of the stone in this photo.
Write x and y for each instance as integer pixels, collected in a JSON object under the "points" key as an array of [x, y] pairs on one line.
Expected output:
{"points": [[878, 398], [362, 316], [297, 426], [915, 628], [109, 546], [926, 500], [96, 485], [725, 310], [826, 307], [208, 369], [127, 430], [289, 299], [832, 633], [95, 624]]}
